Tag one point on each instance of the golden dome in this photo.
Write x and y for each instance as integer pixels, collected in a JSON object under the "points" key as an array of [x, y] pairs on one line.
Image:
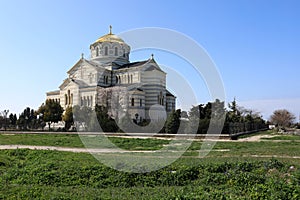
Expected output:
{"points": [[110, 37]]}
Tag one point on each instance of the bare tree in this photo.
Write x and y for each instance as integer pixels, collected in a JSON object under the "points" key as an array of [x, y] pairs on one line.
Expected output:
{"points": [[282, 118], [5, 119], [245, 111]]}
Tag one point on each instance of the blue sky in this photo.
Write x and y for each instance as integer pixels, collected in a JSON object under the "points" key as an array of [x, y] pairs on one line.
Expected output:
{"points": [[254, 44]]}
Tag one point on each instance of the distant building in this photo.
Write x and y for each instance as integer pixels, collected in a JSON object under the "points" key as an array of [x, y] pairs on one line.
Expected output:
{"points": [[108, 78], [271, 126]]}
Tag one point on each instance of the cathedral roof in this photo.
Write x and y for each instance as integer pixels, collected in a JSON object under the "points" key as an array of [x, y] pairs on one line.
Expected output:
{"points": [[168, 93], [152, 65], [110, 37], [91, 63], [135, 88], [133, 64]]}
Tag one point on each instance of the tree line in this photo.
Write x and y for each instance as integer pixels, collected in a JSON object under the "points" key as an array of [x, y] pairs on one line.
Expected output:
{"points": [[196, 120]]}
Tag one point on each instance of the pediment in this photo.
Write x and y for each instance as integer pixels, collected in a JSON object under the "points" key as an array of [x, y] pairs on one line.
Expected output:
{"points": [[151, 65], [80, 63], [68, 82]]}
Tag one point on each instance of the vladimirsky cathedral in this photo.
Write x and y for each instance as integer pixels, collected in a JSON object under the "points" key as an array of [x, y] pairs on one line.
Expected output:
{"points": [[109, 79]]}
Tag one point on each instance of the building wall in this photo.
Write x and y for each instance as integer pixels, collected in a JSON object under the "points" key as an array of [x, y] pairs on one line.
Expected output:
{"points": [[153, 83], [136, 104], [170, 103], [87, 74], [88, 98], [69, 95]]}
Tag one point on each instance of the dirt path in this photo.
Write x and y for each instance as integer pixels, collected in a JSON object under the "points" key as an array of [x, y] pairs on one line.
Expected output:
{"points": [[255, 138], [84, 150], [68, 149]]}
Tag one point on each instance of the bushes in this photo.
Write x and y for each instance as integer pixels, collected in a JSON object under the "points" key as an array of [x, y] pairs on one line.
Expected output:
{"points": [[29, 174]]}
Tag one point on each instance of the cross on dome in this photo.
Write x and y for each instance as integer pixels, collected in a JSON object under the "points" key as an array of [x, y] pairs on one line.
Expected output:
{"points": [[110, 29]]}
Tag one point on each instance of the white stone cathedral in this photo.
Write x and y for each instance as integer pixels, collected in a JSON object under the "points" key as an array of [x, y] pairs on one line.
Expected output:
{"points": [[109, 79]]}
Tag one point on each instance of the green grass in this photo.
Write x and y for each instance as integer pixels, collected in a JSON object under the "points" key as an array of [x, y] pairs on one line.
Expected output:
{"points": [[234, 148], [249, 149], [257, 133], [63, 140], [138, 144], [29, 174], [233, 174], [284, 137], [66, 140]]}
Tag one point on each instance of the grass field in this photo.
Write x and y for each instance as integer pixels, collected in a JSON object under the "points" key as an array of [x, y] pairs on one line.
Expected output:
{"points": [[284, 137], [269, 169], [67, 140]]}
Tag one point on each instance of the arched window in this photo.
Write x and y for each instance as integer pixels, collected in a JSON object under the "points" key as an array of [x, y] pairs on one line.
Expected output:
{"points": [[71, 102], [116, 51], [132, 101], [91, 101], [160, 98], [97, 51], [131, 78], [128, 78], [124, 55], [69, 97], [106, 51], [66, 99], [117, 80], [141, 102], [120, 79]]}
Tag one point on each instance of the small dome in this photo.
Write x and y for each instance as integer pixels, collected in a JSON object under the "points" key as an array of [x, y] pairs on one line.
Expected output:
{"points": [[110, 38]]}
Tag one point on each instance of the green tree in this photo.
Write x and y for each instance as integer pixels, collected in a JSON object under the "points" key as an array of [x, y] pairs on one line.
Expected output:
{"points": [[13, 120], [96, 119], [233, 115], [173, 122], [82, 117], [51, 112], [68, 118], [27, 119], [126, 123], [200, 116], [106, 123]]}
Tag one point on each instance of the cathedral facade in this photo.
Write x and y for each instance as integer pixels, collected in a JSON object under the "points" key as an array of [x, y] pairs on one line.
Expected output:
{"points": [[109, 79]]}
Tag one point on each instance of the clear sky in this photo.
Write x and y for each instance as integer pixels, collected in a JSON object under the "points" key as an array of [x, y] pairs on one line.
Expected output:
{"points": [[254, 44]]}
